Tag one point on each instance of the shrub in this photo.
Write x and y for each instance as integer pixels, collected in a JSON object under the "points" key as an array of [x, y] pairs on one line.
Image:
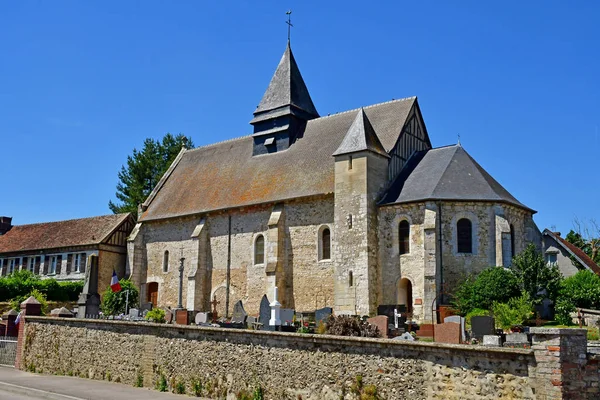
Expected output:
{"points": [[21, 283], [180, 387], [494, 284], [113, 303], [581, 290], [156, 315], [343, 325], [162, 385], [15, 303], [515, 312]]}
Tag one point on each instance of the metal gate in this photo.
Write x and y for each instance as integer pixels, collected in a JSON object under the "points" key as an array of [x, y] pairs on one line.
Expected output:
{"points": [[8, 350]]}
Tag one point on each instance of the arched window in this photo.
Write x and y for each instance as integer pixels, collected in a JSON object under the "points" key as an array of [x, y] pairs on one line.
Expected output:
{"points": [[464, 233], [512, 240], [166, 261], [350, 279], [325, 244], [259, 250], [404, 237]]}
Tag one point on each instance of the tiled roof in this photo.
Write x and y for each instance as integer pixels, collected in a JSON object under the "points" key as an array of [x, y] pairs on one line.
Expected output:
{"points": [[446, 173], [51, 235], [575, 251], [226, 175], [360, 137]]}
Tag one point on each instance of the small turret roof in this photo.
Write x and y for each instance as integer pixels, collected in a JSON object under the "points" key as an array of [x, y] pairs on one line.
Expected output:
{"points": [[287, 89], [361, 137]]}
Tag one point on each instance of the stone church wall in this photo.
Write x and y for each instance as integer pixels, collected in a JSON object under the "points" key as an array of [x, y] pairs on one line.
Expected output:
{"points": [[310, 283]]}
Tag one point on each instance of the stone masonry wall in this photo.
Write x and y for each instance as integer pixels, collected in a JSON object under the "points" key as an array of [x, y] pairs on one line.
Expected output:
{"points": [[310, 285], [286, 366]]}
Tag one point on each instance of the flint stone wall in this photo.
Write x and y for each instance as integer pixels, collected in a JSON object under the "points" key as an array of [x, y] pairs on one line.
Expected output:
{"points": [[287, 366]]}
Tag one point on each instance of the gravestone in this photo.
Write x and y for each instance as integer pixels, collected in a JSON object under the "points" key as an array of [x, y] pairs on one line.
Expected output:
{"points": [[448, 332], [286, 316], [203, 318], [251, 322], [322, 314], [239, 314], [482, 325], [517, 341], [405, 336], [264, 312], [381, 322], [388, 309], [492, 340], [168, 316], [145, 307], [134, 313], [461, 321]]}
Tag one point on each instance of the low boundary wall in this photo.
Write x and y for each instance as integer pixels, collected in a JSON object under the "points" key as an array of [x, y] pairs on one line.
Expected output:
{"points": [[302, 366]]}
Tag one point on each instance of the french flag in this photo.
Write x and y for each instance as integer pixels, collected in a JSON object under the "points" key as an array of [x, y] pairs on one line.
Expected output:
{"points": [[17, 320], [115, 286]]}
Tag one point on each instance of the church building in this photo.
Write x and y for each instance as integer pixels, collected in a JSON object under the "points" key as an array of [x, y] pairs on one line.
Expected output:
{"points": [[351, 210]]}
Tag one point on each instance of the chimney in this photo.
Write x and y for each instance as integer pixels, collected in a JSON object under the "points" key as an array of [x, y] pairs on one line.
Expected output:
{"points": [[5, 224]]}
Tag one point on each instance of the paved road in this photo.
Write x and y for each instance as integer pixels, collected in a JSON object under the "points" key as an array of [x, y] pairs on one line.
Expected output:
{"points": [[19, 385]]}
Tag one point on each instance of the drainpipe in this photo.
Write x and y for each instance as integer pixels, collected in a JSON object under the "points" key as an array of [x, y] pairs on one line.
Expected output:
{"points": [[228, 279], [440, 242]]}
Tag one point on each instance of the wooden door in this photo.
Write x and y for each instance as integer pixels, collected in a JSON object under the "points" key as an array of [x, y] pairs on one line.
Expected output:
{"points": [[153, 293]]}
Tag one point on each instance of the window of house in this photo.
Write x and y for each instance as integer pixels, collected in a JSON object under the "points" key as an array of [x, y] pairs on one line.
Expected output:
{"points": [[12, 265], [259, 250], [166, 261], [464, 233], [404, 237], [78, 261], [325, 244], [552, 258], [53, 264], [31, 264]]}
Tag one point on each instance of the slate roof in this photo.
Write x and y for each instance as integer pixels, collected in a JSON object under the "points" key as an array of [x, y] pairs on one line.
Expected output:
{"points": [[225, 175], [446, 173], [575, 251], [70, 233], [361, 137], [287, 88]]}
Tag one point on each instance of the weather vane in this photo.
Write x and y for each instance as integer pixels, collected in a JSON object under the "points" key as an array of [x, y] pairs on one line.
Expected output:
{"points": [[289, 22]]}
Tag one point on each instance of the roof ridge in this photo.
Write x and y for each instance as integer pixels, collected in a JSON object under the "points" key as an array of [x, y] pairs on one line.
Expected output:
{"points": [[219, 143], [365, 107], [315, 119], [71, 220]]}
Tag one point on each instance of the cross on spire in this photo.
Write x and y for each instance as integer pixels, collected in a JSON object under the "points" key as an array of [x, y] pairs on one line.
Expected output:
{"points": [[289, 22]]}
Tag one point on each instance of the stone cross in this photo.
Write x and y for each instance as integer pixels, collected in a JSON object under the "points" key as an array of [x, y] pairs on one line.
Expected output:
{"points": [[275, 310], [215, 303], [289, 22]]}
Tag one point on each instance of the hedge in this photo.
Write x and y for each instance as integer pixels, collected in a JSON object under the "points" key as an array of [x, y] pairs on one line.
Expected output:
{"points": [[21, 283]]}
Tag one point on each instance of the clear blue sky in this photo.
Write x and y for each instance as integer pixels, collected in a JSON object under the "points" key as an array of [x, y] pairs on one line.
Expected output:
{"points": [[84, 82]]}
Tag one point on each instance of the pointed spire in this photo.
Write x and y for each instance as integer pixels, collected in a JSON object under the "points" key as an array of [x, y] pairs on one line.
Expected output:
{"points": [[287, 89], [361, 137]]}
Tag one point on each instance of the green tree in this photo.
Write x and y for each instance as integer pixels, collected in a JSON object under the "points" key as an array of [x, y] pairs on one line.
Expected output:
{"points": [[580, 290], [588, 243], [536, 277], [143, 171], [113, 303]]}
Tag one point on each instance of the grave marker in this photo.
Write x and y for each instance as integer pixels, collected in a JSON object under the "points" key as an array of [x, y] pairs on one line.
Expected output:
{"points": [[482, 325]]}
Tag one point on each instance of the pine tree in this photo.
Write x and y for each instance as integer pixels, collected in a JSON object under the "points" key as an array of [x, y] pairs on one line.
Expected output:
{"points": [[144, 169]]}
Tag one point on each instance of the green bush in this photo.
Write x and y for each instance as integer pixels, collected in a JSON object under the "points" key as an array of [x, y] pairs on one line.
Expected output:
{"points": [[515, 312], [15, 303], [494, 284], [581, 290], [21, 283], [113, 303], [156, 315]]}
